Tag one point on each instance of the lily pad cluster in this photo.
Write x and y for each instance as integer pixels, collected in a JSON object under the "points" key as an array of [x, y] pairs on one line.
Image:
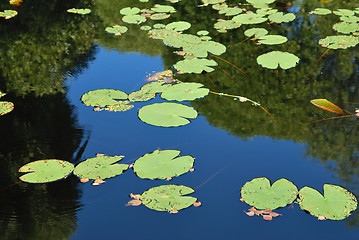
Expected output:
{"points": [[166, 114], [348, 25], [7, 14], [161, 164], [336, 204], [5, 106], [261, 35]]}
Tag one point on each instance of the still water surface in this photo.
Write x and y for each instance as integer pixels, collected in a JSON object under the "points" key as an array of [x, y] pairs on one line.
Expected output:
{"points": [[232, 142]]}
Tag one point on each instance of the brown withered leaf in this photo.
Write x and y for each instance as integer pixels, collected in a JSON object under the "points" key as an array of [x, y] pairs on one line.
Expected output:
{"points": [[267, 217], [134, 202], [174, 211], [321, 218], [274, 214], [191, 169], [251, 214], [98, 182], [267, 214], [168, 178], [197, 204], [135, 196], [84, 180], [242, 200], [100, 154]]}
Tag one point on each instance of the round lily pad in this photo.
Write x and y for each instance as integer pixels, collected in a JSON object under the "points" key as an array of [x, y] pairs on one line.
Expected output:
{"points": [[350, 19], [195, 65], [168, 198], [336, 204], [256, 32], [339, 42], [344, 12], [162, 164], [280, 17], [202, 33], [272, 39], [48, 170], [102, 97], [223, 26], [178, 26], [116, 29], [185, 92], [167, 114], [163, 8], [230, 11], [249, 18], [129, 11], [134, 19], [275, 59], [79, 11], [100, 167], [159, 16], [260, 194], [120, 106], [346, 27], [322, 11], [6, 107]]}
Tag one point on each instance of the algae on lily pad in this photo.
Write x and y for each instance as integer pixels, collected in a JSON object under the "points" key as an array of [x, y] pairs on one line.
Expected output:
{"points": [[339, 42], [43, 171], [167, 114], [7, 14], [260, 194], [168, 198], [195, 65], [116, 29], [162, 164], [102, 97], [120, 106], [82, 11], [275, 59], [6, 107], [100, 167], [336, 204], [185, 92]]}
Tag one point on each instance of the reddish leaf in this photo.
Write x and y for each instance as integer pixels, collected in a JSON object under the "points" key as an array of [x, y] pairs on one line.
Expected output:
{"points": [[134, 202], [267, 217]]}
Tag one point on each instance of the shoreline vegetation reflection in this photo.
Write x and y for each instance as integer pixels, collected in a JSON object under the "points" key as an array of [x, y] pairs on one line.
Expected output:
{"points": [[40, 49]]}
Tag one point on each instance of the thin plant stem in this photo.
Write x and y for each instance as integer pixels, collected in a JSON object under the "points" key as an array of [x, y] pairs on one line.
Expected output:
{"points": [[214, 85], [11, 185], [321, 57], [324, 119], [226, 72], [240, 42], [231, 65]]}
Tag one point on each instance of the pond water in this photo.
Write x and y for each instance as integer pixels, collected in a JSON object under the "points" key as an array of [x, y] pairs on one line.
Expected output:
{"points": [[50, 58]]}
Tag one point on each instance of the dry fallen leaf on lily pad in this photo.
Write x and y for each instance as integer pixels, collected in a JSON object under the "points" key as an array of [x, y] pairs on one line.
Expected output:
{"points": [[84, 180], [98, 182], [134, 202], [266, 214]]}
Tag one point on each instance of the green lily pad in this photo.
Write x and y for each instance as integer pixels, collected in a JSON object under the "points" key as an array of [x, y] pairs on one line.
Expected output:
{"points": [[185, 92], [326, 105], [230, 11], [120, 106], [44, 171], [79, 11], [322, 11], [167, 114], [272, 39], [161, 33], [168, 198], [145, 28], [223, 26], [195, 65], [205, 38], [350, 19], [260, 194], [7, 14], [148, 91], [266, 11], [280, 17], [163, 8], [181, 40], [159, 16], [260, 1], [102, 97], [159, 26], [275, 59], [336, 204], [346, 27], [256, 32], [116, 29], [344, 12], [162, 164], [202, 33], [249, 18], [100, 167], [6, 107], [129, 11], [339, 42], [178, 26], [207, 2], [220, 6], [134, 19]]}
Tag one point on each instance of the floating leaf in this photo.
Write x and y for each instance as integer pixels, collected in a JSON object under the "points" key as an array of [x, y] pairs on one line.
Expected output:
{"points": [[326, 105], [321, 11], [82, 11], [219, 6], [145, 28], [339, 42], [230, 11], [129, 11], [349, 19], [266, 11], [336, 204], [185, 92], [134, 19], [275, 59], [168, 198], [162, 164], [178, 26], [6, 107], [102, 97], [344, 12], [161, 33], [120, 106], [100, 167], [163, 8], [7, 14], [207, 2], [202, 33], [181, 40], [159, 16], [195, 65], [260, 3], [15, 2], [167, 114], [257, 32], [272, 39], [260, 194], [116, 29], [345, 27], [280, 17], [43, 171], [223, 26], [249, 18]]}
